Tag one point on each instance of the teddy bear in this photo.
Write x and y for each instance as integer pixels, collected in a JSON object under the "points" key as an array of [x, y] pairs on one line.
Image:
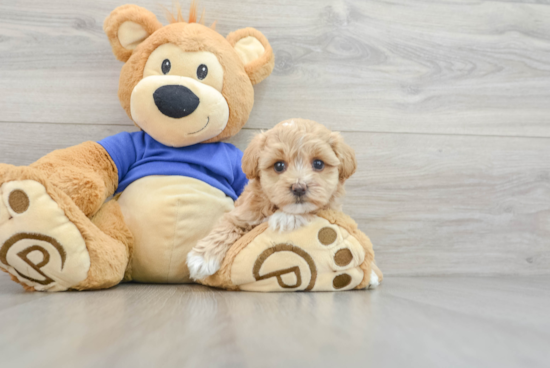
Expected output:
{"points": [[187, 88]]}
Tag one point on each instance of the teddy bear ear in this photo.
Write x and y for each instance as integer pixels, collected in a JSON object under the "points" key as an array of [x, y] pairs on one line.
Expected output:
{"points": [[254, 51], [127, 26]]}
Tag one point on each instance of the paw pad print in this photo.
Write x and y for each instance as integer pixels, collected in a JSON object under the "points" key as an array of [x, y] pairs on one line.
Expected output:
{"points": [[18, 201], [38, 243], [317, 257]]}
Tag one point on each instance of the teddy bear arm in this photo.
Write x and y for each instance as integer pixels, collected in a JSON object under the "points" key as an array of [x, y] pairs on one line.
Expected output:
{"points": [[86, 173]]}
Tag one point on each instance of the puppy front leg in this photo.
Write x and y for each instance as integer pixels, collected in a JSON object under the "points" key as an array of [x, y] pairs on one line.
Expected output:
{"points": [[206, 257]]}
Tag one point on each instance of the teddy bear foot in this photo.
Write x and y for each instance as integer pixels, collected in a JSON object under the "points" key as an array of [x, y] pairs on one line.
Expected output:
{"points": [[39, 246], [327, 261], [321, 256]]}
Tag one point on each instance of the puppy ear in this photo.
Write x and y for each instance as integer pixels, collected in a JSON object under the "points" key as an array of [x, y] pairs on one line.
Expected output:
{"points": [[251, 157], [127, 26], [254, 51], [346, 155]]}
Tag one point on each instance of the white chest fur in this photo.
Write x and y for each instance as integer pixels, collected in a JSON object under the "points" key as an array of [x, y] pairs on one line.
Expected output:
{"points": [[167, 216]]}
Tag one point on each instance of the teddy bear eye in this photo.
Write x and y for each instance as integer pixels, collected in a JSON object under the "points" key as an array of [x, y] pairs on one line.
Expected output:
{"points": [[280, 166], [166, 66], [202, 71], [318, 165]]}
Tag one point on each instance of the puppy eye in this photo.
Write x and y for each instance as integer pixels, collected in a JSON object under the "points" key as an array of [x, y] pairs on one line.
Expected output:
{"points": [[202, 71], [166, 66], [280, 166], [318, 165]]}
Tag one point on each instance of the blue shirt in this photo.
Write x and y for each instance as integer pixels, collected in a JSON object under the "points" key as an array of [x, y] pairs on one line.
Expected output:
{"points": [[137, 155]]}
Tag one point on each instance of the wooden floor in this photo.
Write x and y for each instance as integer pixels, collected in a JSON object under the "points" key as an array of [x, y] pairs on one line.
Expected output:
{"points": [[407, 322]]}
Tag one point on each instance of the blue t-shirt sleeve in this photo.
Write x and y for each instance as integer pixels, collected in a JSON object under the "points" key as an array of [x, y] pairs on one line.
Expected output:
{"points": [[122, 148], [240, 179]]}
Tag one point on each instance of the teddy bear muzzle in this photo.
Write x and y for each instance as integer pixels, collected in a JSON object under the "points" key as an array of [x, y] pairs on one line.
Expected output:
{"points": [[176, 101], [178, 111]]}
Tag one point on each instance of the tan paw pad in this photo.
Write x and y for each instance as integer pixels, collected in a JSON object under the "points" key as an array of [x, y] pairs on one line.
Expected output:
{"points": [[38, 243]]}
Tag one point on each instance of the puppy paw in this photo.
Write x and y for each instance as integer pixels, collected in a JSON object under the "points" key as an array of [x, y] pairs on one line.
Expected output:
{"points": [[201, 265], [374, 280], [286, 222]]}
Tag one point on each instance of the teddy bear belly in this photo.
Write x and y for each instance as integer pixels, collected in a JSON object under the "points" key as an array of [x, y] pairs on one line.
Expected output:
{"points": [[168, 215]]}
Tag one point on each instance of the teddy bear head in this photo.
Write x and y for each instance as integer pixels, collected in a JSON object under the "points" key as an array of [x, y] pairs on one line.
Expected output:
{"points": [[184, 83]]}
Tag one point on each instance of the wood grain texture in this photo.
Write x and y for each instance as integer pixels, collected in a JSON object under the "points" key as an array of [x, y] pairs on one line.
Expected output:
{"points": [[432, 205], [408, 322], [447, 67]]}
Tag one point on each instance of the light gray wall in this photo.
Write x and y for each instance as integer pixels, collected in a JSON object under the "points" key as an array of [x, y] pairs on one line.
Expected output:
{"points": [[447, 104]]}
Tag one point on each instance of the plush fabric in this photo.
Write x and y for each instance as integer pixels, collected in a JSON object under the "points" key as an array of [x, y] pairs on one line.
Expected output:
{"points": [[131, 34], [167, 117], [192, 37], [260, 68], [249, 49], [110, 220], [84, 172], [167, 215], [108, 257], [328, 254], [140, 17], [237, 87], [137, 155], [41, 239]]}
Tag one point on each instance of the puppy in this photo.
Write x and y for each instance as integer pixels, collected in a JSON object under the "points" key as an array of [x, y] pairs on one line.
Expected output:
{"points": [[295, 169]]}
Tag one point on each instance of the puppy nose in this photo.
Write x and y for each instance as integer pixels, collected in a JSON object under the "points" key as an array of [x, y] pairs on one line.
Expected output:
{"points": [[298, 189], [175, 101]]}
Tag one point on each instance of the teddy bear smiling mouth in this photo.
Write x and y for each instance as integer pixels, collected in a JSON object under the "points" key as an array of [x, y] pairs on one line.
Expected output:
{"points": [[201, 129]]}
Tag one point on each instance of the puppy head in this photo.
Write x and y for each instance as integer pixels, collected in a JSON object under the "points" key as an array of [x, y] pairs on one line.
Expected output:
{"points": [[300, 164]]}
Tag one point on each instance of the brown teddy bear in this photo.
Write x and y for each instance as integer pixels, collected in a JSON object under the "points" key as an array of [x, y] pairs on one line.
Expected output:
{"points": [[187, 88]]}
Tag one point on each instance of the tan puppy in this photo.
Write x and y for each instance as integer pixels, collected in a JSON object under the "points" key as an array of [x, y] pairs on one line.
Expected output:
{"points": [[295, 169]]}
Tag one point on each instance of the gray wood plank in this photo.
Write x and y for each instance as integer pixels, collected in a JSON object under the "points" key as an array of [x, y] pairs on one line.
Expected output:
{"points": [[22, 144], [432, 204], [454, 204], [407, 322], [452, 67]]}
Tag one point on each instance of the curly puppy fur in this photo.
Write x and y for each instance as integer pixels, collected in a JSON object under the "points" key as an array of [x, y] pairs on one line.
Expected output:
{"points": [[272, 195]]}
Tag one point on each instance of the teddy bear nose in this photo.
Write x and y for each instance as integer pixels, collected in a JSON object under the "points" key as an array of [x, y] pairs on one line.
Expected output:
{"points": [[175, 101]]}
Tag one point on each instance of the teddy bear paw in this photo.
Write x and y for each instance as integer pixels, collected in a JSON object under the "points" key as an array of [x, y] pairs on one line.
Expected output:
{"points": [[319, 256], [39, 245]]}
